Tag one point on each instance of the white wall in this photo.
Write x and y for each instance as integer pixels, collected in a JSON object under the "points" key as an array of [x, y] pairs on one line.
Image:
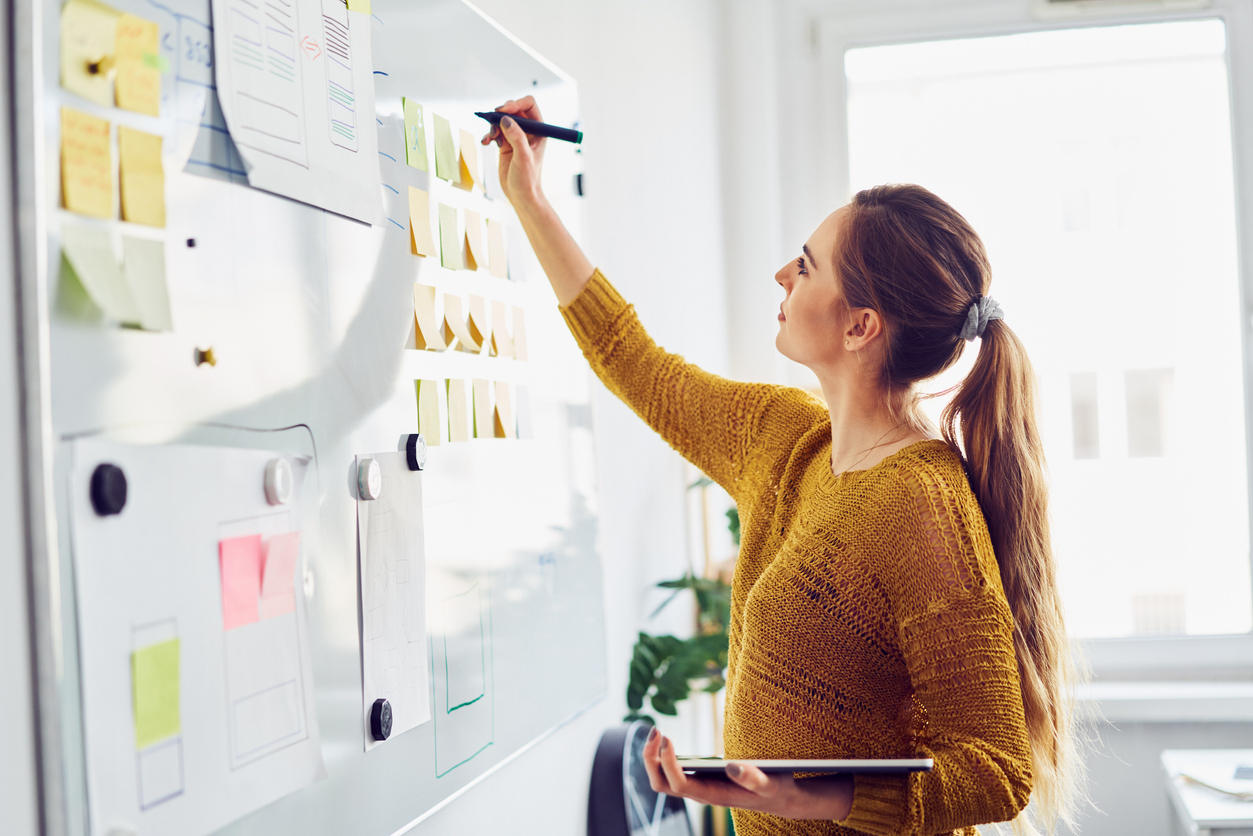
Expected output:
{"points": [[18, 813], [654, 226]]}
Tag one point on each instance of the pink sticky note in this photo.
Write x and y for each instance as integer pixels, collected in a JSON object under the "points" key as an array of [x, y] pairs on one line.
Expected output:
{"points": [[278, 590], [240, 562]]}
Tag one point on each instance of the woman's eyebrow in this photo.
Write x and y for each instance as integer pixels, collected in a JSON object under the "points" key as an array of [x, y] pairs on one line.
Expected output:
{"points": [[809, 255]]}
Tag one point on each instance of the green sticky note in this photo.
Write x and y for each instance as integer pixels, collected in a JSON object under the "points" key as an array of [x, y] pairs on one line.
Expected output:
{"points": [[154, 684], [415, 134], [362, 6], [446, 167], [449, 240]]}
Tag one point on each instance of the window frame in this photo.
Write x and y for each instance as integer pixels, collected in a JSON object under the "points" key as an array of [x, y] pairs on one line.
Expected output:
{"points": [[865, 23]]}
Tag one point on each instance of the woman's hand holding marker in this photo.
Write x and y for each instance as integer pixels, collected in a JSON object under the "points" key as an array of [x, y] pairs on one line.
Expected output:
{"points": [[521, 155], [748, 788]]}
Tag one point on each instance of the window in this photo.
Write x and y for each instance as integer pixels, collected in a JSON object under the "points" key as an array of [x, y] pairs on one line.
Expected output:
{"points": [[1096, 164]]}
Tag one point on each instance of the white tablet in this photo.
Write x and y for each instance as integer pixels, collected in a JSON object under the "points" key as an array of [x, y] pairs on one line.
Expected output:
{"points": [[706, 766]]}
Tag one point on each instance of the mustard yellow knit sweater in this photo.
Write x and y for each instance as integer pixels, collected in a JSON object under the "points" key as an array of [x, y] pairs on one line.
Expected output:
{"points": [[867, 619]]}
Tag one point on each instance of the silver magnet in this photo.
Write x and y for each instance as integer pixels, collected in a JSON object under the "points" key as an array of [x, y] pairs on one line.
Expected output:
{"points": [[278, 482], [369, 479]]}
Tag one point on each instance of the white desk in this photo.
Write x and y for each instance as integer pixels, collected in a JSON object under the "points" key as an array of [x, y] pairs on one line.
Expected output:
{"points": [[1200, 811]]}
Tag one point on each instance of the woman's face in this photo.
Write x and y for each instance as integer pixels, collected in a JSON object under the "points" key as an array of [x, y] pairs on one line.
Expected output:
{"points": [[813, 319]]}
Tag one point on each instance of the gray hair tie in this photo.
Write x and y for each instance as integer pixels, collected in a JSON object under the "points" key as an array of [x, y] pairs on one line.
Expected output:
{"points": [[984, 308]]}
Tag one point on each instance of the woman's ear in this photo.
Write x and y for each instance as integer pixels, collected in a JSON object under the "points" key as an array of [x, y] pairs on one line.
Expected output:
{"points": [[865, 326]]}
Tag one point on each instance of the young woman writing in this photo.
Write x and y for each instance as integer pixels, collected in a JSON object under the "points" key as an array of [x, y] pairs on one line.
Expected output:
{"points": [[892, 597]]}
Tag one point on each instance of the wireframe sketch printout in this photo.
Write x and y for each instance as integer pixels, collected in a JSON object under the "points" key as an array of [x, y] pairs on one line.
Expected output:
{"points": [[194, 654], [394, 643], [295, 81]]}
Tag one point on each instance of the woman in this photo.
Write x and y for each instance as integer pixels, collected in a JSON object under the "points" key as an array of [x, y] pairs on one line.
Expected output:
{"points": [[891, 598]]}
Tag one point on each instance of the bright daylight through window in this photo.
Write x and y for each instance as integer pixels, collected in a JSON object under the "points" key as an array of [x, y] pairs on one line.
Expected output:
{"points": [[1096, 165]]}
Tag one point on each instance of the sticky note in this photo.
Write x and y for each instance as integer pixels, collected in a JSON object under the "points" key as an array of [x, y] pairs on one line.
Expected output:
{"points": [[468, 163], [427, 334], [519, 333], [415, 134], [278, 574], [449, 240], [446, 167], [143, 266], [154, 693], [522, 406], [502, 346], [497, 257], [503, 426], [429, 422], [480, 332], [142, 176], [483, 427], [86, 164], [455, 327], [362, 6], [239, 559], [476, 255], [88, 32], [420, 240], [138, 82], [89, 252], [460, 426]]}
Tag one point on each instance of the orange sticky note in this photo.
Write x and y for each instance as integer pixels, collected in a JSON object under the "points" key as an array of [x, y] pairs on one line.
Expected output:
{"points": [[480, 333], [459, 411], [420, 240], [143, 177], [468, 162], [427, 333], [86, 164], [455, 324], [278, 574], [138, 84], [496, 255], [88, 32], [501, 344], [240, 563], [476, 256], [503, 424]]}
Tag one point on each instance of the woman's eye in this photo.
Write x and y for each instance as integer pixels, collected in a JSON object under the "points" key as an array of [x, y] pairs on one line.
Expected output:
{"points": [[800, 265]]}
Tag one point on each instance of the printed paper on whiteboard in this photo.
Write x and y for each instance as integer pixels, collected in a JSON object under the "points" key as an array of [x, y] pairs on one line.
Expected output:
{"points": [[295, 80], [393, 598]]}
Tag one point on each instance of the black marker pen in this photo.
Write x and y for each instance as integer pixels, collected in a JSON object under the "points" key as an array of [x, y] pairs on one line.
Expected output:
{"points": [[535, 128]]}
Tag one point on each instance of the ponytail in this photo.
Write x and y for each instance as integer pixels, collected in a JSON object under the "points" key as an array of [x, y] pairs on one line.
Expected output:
{"points": [[994, 415], [912, 257]]}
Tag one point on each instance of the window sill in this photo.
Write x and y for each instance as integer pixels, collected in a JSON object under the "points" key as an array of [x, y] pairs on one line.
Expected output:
{"points": [[1170, 702]]}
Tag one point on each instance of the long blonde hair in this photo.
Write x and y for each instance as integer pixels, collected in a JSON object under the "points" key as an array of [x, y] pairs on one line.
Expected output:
{"points": [[910, 256]]}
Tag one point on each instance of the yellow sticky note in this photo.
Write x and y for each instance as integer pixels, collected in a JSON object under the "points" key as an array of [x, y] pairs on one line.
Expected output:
{"points": [[459, 414], [476, 255], [154, 689], [429, 422], [446, 167], [86, 164], [88, 32], [362, 6], [480, 333], [420, 240], [455, 324], [415, 134], [496, 255], [427, 334], [519, 333], [503, 424], [449, 239], [138, 65], [483, 418], [468, 162], [502, 346], [142, 176]]}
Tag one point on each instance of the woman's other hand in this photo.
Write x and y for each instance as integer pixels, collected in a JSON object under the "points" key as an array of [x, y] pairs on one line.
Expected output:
{"points": [[748, 788], [521, 155]]}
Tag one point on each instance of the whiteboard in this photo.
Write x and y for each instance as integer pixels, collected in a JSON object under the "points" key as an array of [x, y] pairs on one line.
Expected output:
{"points": [[309, 314]]}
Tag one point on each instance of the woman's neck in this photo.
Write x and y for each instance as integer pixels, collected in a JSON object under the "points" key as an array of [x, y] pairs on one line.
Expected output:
{"points": [[864, 429]]}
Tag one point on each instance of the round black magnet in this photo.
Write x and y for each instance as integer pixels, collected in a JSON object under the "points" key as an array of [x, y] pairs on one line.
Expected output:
{"points": [[108, 489], [415, 451], [381, 719]]}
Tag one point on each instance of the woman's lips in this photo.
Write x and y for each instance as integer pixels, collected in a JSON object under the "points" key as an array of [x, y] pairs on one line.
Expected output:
{"points": [[782, 318]]}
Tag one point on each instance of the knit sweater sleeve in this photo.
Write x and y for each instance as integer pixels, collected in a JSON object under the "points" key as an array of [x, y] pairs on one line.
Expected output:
{"points": [[709, 420], [955, 630]]}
